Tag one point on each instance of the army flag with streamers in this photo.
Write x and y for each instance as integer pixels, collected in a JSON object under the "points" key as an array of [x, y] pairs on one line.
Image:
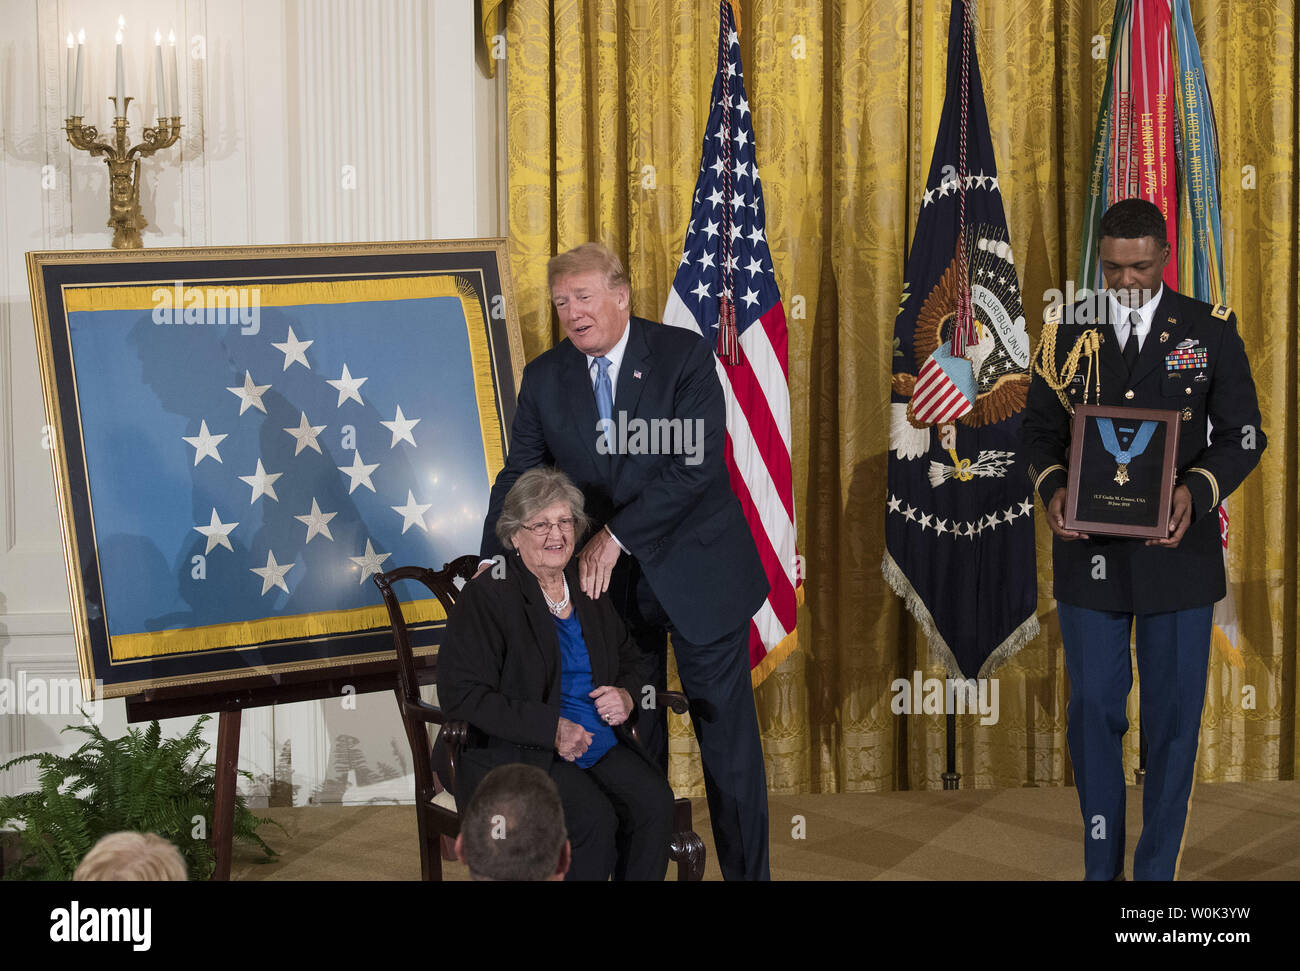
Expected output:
{"points": [[1156, 139], [959, 527]]}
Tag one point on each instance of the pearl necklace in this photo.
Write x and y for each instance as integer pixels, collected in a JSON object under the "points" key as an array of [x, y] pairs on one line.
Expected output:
{"points": [[556, 608]]}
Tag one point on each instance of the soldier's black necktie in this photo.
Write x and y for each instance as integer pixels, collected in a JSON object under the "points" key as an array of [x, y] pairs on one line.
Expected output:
{"points": [[1131, 345]]}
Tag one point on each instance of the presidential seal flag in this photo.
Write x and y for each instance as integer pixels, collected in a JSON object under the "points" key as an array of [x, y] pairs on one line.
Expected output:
{"points": [[725, 290], [959, 527]]}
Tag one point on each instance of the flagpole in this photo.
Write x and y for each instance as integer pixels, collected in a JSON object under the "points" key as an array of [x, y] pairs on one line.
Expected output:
{"points": [[963, 333], [952, 778]]}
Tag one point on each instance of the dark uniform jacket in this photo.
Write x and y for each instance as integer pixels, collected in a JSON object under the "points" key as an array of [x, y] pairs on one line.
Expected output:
{"points": [[499, 669], [1216, 387], [678, 517]]}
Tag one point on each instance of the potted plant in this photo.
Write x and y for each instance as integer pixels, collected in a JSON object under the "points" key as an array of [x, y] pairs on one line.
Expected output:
{"points": [[140, 782]]}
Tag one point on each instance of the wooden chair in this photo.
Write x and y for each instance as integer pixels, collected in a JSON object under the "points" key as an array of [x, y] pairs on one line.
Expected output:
{"points": [[435, 765]]}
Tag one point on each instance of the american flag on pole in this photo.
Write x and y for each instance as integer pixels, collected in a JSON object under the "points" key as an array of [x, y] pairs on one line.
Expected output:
{"points": [[725, 290]]}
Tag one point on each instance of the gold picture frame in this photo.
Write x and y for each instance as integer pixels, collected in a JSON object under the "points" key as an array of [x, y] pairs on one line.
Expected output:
{"points": [[353, 292]]}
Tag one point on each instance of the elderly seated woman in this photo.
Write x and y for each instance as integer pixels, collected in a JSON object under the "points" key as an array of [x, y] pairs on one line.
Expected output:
{"points": [[548, 677]]}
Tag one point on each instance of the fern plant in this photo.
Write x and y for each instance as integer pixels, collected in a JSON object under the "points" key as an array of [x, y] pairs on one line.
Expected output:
{"points": [[140, 782]]}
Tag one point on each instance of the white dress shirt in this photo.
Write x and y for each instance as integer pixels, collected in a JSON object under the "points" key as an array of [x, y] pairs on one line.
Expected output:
{"points": [[1119, 317], [615, 362]]}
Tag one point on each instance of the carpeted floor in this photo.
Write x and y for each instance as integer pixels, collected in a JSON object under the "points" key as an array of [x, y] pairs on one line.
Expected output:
{"points": [[1237, 831]]}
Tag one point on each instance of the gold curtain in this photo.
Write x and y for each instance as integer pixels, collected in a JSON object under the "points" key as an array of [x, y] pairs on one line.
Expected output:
{"points": [[607, 104]]}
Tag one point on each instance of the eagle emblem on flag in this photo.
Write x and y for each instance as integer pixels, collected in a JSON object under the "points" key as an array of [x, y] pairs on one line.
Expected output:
{"points": [[987, 384], [959, 530]]}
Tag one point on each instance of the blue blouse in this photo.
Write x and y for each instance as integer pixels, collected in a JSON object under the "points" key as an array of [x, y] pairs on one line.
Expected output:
{"points": [[575, 686]]}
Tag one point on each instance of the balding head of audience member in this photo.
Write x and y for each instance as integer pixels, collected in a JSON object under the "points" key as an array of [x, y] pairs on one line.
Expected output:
{"points": [[513, 828], [132, 856]]}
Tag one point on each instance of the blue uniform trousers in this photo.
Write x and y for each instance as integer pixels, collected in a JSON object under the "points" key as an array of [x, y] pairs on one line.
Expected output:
{"points": [[1173, 659]]}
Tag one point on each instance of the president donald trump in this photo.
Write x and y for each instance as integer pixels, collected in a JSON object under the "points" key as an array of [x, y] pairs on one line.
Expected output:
{"points": [[633, 412]]}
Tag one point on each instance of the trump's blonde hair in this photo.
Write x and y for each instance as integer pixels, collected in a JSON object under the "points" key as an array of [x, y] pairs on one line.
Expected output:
{"points": [[584, 259]]}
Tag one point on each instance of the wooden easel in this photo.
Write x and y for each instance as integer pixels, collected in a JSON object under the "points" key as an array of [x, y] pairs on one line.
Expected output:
{"points": [[229, 703]]}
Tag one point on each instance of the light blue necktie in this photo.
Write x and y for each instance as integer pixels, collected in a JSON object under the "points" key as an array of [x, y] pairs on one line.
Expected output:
{"points": [[605, 398]]}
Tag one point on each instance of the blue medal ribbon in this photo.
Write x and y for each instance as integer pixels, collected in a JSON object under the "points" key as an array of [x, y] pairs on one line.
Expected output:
{"points": [[1139, 444]]}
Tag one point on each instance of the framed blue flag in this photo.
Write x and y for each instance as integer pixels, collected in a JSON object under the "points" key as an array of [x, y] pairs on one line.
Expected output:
{"points": [[242, 437]]}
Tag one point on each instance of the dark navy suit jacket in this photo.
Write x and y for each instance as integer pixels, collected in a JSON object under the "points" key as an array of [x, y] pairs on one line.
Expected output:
{"points": [[677, 517]]}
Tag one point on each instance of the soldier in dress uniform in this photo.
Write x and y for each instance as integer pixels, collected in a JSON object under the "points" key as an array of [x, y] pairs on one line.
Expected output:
{"points": [[1140, 345]]}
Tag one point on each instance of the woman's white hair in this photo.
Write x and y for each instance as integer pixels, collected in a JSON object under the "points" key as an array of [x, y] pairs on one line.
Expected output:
{"points": [[535, 490]]}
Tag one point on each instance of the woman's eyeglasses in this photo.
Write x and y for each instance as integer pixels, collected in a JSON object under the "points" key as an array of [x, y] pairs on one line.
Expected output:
{"points": [[543, 529]]}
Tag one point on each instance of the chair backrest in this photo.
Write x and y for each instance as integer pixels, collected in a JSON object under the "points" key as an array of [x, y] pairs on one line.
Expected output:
{"points": [[442, 584], [414, 711]]}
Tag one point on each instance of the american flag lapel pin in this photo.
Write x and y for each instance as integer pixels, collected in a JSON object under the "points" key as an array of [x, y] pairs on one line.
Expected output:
{"points": [[636, 374]]}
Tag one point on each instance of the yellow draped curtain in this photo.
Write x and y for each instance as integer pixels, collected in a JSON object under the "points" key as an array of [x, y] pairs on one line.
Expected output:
{"points": [[607, 105]]}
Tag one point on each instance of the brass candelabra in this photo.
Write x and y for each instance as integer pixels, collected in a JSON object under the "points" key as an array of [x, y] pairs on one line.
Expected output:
{"points": [[124, 215]]}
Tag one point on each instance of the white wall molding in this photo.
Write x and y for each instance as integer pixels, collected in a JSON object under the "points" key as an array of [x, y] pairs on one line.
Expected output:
{"points": [[288, 92], [35, 623]]}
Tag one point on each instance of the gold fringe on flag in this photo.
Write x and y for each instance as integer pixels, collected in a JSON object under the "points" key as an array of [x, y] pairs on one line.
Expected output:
{"points": [[251, 633]]}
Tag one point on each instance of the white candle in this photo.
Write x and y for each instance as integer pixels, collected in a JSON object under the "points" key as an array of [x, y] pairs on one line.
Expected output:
{"points": [[121, 78], [158, 81], [72, 72], [175, 103], [77, 86]]}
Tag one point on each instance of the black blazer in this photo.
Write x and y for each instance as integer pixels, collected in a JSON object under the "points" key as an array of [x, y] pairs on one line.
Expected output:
{"points": [[499, 669], [1139, 578], [677, 516]]}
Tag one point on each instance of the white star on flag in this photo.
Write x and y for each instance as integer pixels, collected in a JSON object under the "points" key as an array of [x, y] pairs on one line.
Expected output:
{"points": [[217, 532], [359, 473], [370, 562], [401, 427], [412, 513], [317, 522], [205, 443], [250, 395], [272, 574], [305, 435], [348, 387], [263, 483], [294, 350]]}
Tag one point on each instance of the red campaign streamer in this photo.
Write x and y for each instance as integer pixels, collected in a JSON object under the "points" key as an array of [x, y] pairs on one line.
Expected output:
{"points": [[1151, 123], [728, 339], [964, 330]]}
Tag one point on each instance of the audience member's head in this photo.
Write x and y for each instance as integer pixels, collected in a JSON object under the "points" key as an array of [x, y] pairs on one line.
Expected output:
{"points": [[513, 828], [132, 856]]}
